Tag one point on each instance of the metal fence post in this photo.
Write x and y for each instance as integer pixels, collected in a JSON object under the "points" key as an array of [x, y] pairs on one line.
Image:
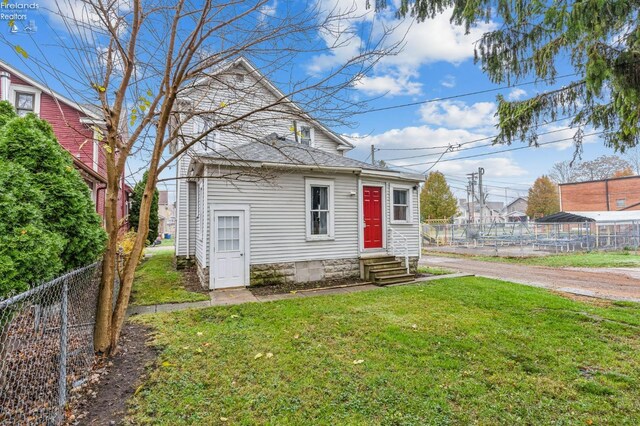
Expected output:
{"points": [[62, 384]]}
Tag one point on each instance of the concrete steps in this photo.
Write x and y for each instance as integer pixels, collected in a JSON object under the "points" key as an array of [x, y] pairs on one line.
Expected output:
{"points": [[384, 270]]}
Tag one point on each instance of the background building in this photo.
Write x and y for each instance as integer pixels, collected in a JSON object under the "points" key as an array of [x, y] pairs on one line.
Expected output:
{"points": [[613, 194]]}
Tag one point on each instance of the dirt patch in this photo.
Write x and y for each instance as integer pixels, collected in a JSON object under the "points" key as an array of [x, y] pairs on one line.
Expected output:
{"points": [[603, 303], [191, 281], [103, 401], [266, 290]]}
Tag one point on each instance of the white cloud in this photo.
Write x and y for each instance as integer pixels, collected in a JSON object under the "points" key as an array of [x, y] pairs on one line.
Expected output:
{"points": [[516, 94], [388, 85], [459, 114], [448, 81], [268, 10], [497, 166], [435, 40]]}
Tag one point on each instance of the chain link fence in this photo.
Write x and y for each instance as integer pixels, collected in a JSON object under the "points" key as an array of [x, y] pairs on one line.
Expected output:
{"points": [[46, 346]]}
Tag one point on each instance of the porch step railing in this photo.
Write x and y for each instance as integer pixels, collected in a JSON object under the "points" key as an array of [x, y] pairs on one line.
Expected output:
{"points": [[400, 246]]}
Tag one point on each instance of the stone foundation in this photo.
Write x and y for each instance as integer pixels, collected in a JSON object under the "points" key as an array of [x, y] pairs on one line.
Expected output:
{"points": [[413, 263], [304, 271], [203, 275], [183, 262]]}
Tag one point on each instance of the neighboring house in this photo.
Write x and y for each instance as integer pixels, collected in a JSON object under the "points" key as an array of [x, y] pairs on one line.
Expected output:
{"points": [[280, 202], [77, 128], [166, 215], [601, 195], [516, 210], [491, 212]]}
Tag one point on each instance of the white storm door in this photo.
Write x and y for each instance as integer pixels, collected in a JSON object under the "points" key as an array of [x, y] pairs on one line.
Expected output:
{"points": [[229, 249]]}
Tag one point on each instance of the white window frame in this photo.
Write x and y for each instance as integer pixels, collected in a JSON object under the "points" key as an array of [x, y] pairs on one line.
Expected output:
{"points": [[13, 88], [409, 190], [312, 133], [309, 182], [200, 206], [621, 203]]}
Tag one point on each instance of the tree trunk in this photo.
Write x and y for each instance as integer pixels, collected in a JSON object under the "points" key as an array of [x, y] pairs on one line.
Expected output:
{"points": [[126, 284], [102, 330]]}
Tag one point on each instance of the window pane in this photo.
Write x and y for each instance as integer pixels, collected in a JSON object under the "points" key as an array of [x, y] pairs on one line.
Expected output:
{"points": [[399, 212], [399, 196], [319, 223], [305, 135], [319, 198]]}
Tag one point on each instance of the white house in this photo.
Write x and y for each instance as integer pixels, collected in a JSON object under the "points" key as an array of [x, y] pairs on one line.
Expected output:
{"points": [[274, 199]]}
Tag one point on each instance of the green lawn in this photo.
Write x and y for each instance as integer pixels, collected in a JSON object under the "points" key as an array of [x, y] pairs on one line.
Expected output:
{"points": [[433, 270], [577, 260], [168, 243], [157, 281], [455, 351]]}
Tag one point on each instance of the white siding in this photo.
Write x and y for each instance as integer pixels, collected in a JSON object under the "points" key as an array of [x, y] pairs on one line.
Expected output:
{"points": [[182, 208], [278, 228], [411, 231], [248, 96]]}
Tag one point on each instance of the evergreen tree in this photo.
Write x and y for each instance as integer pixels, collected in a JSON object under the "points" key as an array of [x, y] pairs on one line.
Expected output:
{"points": [[436, 199], [48, 222], [597, 41], [134, 211], [543, 198]]}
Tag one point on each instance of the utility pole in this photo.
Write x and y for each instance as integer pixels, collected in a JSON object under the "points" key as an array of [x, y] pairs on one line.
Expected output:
{"points": [[472, 185], [373, 155], [481, 193]]}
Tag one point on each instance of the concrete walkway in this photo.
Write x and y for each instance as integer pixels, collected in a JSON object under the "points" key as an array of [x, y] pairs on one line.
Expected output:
{"points": [[237, 296]]}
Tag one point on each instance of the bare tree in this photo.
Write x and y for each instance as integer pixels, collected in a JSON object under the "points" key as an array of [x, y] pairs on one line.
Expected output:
{"points": [[632, 155], [564, 172], [603, 167], [137, 59]]}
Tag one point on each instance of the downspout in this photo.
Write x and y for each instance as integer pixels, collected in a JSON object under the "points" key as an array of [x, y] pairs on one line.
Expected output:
{"points": [[606, 191], [4, 85]]}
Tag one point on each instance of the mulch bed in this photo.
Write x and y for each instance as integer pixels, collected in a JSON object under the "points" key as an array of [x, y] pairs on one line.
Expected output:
{"points": [[267, 289], [103, 400]]}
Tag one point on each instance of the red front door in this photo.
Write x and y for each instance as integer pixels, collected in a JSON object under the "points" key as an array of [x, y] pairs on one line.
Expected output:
{"points": [[372, 206]]}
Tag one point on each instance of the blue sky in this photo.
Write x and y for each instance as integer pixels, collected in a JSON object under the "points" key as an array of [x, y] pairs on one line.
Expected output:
{"points": [[437, 62]]}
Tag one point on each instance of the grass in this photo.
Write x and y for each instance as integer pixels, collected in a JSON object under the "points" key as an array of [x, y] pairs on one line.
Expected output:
{"points": [[456, 351], [157, 281], [433, 270], [576, 260], [168, 243]]}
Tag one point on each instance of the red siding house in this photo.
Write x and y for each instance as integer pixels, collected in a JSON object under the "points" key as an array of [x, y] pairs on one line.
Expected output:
{"points": [[76, 126]]}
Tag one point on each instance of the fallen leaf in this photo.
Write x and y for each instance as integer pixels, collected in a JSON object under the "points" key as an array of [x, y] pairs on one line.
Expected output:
{"points": [[199, 350], [414, 326], [269, 355], [297, 336], [199, 333], [185, 347], [206, 344], [258, 355], [223, 419], [293, 292], [167, 364], [235, 316], [358, 361]]}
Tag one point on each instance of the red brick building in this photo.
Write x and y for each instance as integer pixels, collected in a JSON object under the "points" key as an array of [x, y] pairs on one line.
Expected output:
{"points": [[614, 194], [76, 127]]}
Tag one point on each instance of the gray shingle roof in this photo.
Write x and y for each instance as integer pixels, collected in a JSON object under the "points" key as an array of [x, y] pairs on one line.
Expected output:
{"points": [[279, 151]]}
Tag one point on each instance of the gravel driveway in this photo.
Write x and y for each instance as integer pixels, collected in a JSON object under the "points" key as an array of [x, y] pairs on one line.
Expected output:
{"points": [[606, 283]]}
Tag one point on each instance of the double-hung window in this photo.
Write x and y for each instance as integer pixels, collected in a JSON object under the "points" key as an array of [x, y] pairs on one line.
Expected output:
{"points": [[319, 209], [401, 205], [25, 103]]}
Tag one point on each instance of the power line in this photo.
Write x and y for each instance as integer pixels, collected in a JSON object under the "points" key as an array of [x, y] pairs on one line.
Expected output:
{"points": [[456, 149], [498, 152], [462, 95], [470, 141]]}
